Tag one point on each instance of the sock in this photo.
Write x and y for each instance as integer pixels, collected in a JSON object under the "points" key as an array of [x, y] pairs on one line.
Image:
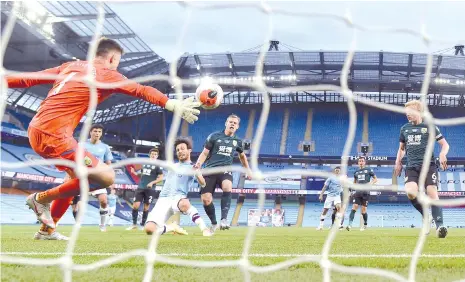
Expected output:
{"points": [[342, 219], [74, 214], [68, 189], [437, 215], [210, 210], [110, 219], [322, 220], [225, 204], [57, 209], [417, 205], [333, 217], [351, 217], [144, 217], [193, 213], [103, 216], [365, 218], [135, 213]]}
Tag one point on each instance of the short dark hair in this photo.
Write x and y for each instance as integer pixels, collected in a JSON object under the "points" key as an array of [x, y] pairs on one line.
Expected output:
{"points": [[154, 150], [97, 126], [182, 140], [106, 45], [338, 167]]}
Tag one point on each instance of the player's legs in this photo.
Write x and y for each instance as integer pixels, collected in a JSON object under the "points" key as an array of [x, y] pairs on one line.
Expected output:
{"points": [[163, 210], [323, 215], [138, 198], [75, 205], [207, 198], [432, 192], [356, 202], [226, 185], [101, 195], [186, 208], [148, 199], [364, 213], [111, 215]]}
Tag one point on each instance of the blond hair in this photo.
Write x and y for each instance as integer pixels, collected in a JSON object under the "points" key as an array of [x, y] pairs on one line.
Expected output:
{"points": [[415, 103], [234, 116]]}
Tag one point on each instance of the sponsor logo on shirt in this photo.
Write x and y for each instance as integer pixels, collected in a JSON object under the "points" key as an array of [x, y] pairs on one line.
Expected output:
{"points": [[424, 130]]}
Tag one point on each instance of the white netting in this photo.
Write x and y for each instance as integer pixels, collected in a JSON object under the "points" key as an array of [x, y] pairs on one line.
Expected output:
{"points": [[243, 263]]}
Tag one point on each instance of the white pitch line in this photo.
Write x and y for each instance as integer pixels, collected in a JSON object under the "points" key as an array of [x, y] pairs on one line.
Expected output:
{"points": [[250, 255]]}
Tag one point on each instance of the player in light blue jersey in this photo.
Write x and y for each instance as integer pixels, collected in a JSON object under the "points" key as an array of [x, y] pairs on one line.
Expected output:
{"points": [[112, 199], [103, 153], [173, 196], [333, 198]]}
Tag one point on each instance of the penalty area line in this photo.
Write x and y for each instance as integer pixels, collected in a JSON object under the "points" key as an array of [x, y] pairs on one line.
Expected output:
{"points": [[239, 255]]}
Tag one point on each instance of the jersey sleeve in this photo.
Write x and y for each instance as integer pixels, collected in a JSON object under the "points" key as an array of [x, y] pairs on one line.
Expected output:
{"points": [[327, 181], [439, 135], [108, 155], [16, 81], [240, 146], [210, 142], [372, 173], [135, 89], [402, 136]]}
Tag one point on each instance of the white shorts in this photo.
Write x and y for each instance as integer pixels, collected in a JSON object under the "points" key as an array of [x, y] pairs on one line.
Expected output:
{"points": [[112, 210], [164, 208], [332, 201], [98, 192]]}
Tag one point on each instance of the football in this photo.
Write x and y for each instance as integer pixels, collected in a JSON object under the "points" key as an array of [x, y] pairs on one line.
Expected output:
{"points": [[210, 95]]}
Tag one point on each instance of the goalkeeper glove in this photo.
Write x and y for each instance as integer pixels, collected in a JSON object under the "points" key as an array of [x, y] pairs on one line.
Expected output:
{"points": [[186, 108]]}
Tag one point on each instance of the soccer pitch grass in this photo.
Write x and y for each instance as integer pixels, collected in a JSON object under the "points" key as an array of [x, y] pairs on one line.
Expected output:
{"points": [[388, 249]]}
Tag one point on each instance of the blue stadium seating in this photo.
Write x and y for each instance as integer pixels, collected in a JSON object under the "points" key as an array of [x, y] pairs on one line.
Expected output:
{"points": [[273, 131], [10, 125], [383, 132], [296, 131], [329, 131]]}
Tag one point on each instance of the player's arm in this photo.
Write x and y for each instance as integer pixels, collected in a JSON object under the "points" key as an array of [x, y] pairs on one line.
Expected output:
{"points": [[159, 178], [185, 107], [209, 143], [243, 159], [108, 156], [16, 81], [323, 190], [200, 179], [375, 179], [136, 172], [400, 153], [444, 148]]}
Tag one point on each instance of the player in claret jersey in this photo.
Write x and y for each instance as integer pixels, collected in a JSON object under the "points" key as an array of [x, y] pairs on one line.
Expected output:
{"points": [[413, 142], [51, 130]]}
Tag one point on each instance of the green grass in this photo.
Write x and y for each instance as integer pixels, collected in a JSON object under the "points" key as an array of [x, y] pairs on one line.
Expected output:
{"points": [[279, 241]]}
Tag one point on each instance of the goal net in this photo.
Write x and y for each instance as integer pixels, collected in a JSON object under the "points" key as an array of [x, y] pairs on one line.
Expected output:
{"points": [[244, 264]]}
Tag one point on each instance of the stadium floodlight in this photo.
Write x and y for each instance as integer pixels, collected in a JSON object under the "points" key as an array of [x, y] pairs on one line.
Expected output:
{"points": [[272, 78], [294, 77], [197, 81], [230, 65], [198, 67]]}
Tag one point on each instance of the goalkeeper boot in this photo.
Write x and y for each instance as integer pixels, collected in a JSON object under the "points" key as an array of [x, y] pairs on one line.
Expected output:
{"points": [[42, 211], [224, 224], [42, 235]]}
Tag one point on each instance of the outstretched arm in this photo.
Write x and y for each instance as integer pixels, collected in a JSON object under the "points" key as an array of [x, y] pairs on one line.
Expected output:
{"points": [[245, 163], [17, 81], [185, 107], [202, 157]]}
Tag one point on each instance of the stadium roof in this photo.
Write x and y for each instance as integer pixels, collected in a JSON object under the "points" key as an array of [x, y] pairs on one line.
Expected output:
{"points": [[47, 34]]}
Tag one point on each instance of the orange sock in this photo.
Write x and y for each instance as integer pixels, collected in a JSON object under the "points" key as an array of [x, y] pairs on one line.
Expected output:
{"points": [[68, 189]]}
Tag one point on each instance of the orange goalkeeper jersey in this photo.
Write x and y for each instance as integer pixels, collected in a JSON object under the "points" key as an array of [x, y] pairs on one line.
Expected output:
{"points": [[68, 101]]}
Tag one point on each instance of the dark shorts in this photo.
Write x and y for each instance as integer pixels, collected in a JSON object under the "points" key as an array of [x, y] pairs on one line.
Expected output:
{"points": [[361, 198], [76, 199], [412, 174], [215, 180], [145, 196]]}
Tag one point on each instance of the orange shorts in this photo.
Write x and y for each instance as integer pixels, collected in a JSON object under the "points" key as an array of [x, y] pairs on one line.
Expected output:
{"points": [[51, 147]]}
